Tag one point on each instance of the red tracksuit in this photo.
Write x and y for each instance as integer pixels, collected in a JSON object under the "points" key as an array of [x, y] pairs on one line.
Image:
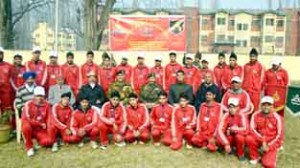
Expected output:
{"points": [[203, 72], [192, 77], [128, 72], [40, 68], [207, 122], [229, 73], [87, 120], [6, 91], [140, 77], [60, 121], [232, 131], [253, 76], [138, 118], [265, 128], [33, 116], [278, 79], [244, 100], [159, 75], [53, 71], [17, 76], [219, 71], [182, 126], [71, 75], [170, 74], [106, 76], [112, 115], [160, 121], [85, 69]]}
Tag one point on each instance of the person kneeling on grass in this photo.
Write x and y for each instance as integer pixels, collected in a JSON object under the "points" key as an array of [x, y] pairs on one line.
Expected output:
{"points": [[61, 122], [35, 121], [210, 114], [112, 120], [183, 124], [84, 122], [138, 121], [233, 129], [160, 117]]}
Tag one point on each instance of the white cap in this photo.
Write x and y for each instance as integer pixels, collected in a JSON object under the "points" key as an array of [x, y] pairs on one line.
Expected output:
{"points": [[140, 55], [276, 61], [233, 101], [91, 73], [267, 99], [190, 56], [236, 79], [39, 91], [53, 54], [1, 49], [157, 58], [36, 48]]}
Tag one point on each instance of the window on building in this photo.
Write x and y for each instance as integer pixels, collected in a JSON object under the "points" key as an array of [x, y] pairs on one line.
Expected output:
{"points": [[241, 27], [220, 38], [269, 39], [280, 23], [241, 43], [256, 22], [255, 39], [204, 39], [270, 22], [231, 23], [279, 42], [231, 38], [221, 21]]}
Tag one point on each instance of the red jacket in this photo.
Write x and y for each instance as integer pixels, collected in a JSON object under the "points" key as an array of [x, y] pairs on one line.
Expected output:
{"points": [[85, 120], [267, 128], [237, 124], [140, 77], [61, 116], [229, 74], [71, 75], [128, 72], [170, 74], [85, 69], [203, 72], [53, 71], [275, 78], [110, 115], [192, 77], [183, 118], [35, 114], [106, 76], [219, 71], [253, 76], [17, 76], [159, 75], [209, 118], [40, 69], [244, 100], [161, 116], [138, 118], [5, 75]]}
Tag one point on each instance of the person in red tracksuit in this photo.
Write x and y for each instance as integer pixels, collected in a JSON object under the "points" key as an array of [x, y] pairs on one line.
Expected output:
{"points": [[205, 69], [266, 133], [253, 76], [183, 124], [230, 71], [237, 92], [87, 67], [171, 72], [84, 122], [38, 66], [17, 72], [70, 71], [53, 70], [126, 68], [160, 117], [220, 69], [113, 121], [210, 114], [138, 121], [158, 70], [106, 74], [61, 115], [192, 75], [140, 74], [276, 77], [35, 121], [232, 129]]}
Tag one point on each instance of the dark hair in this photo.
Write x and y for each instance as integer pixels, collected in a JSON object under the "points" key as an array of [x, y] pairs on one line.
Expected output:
{"points": [[132, 95], [68, 94], [198, 55], [211, 91], [105, 55], [180, 71], [253, 52], [115, 94], [163, 93], [183, 96], [172, 53], [90, 53], [18, 56], [233, 55], [221, 54], [70, 54]]}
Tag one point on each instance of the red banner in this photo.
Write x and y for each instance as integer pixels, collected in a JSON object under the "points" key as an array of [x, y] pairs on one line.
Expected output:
{"points": [[278, 93], [147, 33]]}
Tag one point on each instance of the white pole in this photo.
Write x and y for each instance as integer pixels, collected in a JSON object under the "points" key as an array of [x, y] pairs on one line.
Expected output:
{"points": [[56, 25]]}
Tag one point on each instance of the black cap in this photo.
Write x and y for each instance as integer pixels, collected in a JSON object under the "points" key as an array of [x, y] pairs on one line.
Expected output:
{"points": [[233, 55], [253, 52], [132, 95], [115, 94], [68, 94]]}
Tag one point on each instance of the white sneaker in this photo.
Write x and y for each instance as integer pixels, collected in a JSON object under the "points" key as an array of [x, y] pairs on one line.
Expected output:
{"points": [[135, 142], [37, 147], [120, 144], [80, 145], [94, 144], [157, 144], [255, 161], [281, 148], [54, 147], [141, 143], [189, 146], [103, 147], [30, 152]]}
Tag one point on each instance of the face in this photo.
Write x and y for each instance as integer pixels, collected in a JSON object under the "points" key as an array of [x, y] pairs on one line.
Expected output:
{"points": [[92, 79], [204, 64], [180, 76], [209, 96], [18, 61], [183, 102], [84, 104], [38, 99], [89, 58], [133, 101], [208, 78], [157, 63], [140, 61], [70, 60], [172, 58], [115, 101], [189, 61], [53, 60], [266, 108], [65, 101], [162, 99], [151, 79], [120, 77], [232, 109], [275, 67], [221, 60], [235, 85], [253, 58], [124, 62], [106, 62], [30, 81], [197, 59], [60, 81], [36, 56], [232, 62]]}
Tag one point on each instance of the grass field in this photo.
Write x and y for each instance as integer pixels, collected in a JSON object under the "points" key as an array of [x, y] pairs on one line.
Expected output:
{"points": [[12, 155]]}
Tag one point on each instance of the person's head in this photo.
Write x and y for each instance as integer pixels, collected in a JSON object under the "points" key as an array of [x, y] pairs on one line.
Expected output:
{"points": [[92, 78], [221, 58], [210, 95], [232, 59], [115, 98], [253, 55], [60, 80], [208, 78], [140, 59], [65, 99], [151, 78], [180, 75], [18, 59], [29, 77], [183, 100], [204, 63], [124, 60], [90, 57], [172, 56], [84, 102], [157, 61], [189, 60], [276, 63], [1, 54], [198, 56], [70, 58], [267, 104], [53, 57], [236, 83], [36, 53], [162, 97], [233, 105], [39, 94], [133, 99], [120, 75], [106, 60]]}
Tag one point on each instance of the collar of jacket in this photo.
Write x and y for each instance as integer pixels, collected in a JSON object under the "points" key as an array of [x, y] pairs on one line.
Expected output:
{"points": [[82, 111], [236, 92]]}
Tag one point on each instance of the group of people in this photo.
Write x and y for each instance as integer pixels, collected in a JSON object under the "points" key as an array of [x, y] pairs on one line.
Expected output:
{"points": [[179, 104]]}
